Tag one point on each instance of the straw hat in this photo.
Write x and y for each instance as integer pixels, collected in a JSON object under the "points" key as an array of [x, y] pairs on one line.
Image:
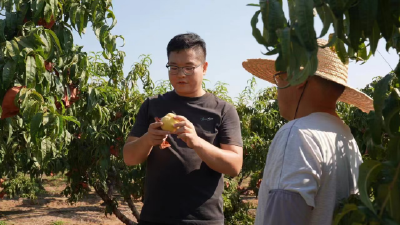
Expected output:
{"points": [[329, 67]]}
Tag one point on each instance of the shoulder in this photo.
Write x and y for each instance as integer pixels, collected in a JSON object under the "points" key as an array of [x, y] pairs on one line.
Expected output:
{"points": [[314, 132], [292, 134], [159, 97], [322, 123], [223, 104]]}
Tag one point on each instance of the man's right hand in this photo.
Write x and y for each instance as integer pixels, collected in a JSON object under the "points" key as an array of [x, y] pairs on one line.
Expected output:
{"points": [[156, 136]]}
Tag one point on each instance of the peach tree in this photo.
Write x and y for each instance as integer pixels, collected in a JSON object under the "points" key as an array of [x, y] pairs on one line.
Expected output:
{"points": [[358, 27], [49, 101]]}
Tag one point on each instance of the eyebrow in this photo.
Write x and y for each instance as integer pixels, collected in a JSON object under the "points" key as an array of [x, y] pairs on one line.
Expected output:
{"points": [[188, 63]]}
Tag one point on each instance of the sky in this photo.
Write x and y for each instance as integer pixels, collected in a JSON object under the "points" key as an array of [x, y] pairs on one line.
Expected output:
{"points": [[148, 26]]}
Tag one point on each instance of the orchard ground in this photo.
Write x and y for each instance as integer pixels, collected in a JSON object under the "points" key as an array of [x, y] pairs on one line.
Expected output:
{"points": [[52, 208]]}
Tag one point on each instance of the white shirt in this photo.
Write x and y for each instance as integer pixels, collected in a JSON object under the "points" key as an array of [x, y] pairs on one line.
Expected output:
{"points": [[315, 157]]}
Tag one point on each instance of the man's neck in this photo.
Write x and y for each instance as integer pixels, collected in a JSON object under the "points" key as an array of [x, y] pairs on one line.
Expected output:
{"points": [[195, 94], [305, 110]]}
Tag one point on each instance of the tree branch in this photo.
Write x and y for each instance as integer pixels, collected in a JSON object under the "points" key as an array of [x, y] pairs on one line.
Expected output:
{"points": [[100, 191], [132, 206], [129, 200]]}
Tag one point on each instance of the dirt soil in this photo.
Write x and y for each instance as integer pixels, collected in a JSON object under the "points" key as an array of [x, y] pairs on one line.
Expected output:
{"points": [[52, 208]]}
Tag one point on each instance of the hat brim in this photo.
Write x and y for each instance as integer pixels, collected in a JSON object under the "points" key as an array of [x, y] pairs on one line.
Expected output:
{"points": [[265, 69]]}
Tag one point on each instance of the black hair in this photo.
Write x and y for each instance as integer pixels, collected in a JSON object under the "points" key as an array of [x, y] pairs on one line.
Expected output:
{"points": [[187, 41]]}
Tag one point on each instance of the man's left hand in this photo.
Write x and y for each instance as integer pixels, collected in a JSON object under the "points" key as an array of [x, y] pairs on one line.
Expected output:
{"points": [[186, 132]]}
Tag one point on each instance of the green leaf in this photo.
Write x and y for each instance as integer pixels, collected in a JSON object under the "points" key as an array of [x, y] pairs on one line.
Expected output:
{"points": [[292, 12], [255, 31], [103, 34], [280, 64], [362, 52], [72, 119], [346, 209], [341, 51], [253, 4], [36, 96], [11, 23], [94, 7], [24, 42], [354, 28], [73, 61], [380, 93], [368, 10], [327, 18], [30, 72], [8, 73], [37, 38], [331, 42], [375, 124], [39, 8], [68, 40], [309, 70], [12, 49], [55, 39], [111, 15], [8, 5], [374, 38], [21, 6], [284, 37], [48, 78], [85, 21], [10, 131], [111, 43], [46, 49], [48, 12], [272, 52], [394, 203], [80, 19], [72, 13], [123, 39], [340, 6], [305, 24], [2, 27], [391, 113], [384, 19], [61, 124], [40, 66], [92, 100], [54, 8], [298, 59], [369, 170], [273, 19], [35, 125], [393, 148]]}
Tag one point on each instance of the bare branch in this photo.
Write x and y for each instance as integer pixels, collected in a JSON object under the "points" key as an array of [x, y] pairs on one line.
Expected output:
{"points": [[100, 191]]}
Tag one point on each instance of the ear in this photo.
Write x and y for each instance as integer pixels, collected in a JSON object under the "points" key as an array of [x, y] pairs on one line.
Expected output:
{"points": [[205, 67]]}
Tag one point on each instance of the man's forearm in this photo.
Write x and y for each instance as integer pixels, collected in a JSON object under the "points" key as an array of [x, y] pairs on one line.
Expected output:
{"points": [[137, 151], [223, 161]]}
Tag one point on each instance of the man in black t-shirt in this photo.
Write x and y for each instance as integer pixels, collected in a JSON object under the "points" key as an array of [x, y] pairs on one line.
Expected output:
{"points": [[184, 182]]}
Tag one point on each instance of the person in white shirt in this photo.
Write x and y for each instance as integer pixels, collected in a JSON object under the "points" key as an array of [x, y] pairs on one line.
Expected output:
{"points": [[313, 160]]}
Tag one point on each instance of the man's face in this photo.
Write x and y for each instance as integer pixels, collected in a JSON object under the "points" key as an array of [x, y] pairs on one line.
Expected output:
{"points": [[287, 97], [192, 60]]}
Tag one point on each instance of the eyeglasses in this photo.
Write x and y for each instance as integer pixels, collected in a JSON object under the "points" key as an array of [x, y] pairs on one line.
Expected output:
{"points": [[280, 82], [187, 70]]}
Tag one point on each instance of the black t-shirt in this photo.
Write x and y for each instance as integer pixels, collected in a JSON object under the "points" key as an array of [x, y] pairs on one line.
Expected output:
{"points": [[180, 188]]}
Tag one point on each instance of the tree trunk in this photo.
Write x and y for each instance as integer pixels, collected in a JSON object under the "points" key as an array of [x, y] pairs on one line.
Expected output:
{"points": [[132, 206], [129, 200], [100, 191]]}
